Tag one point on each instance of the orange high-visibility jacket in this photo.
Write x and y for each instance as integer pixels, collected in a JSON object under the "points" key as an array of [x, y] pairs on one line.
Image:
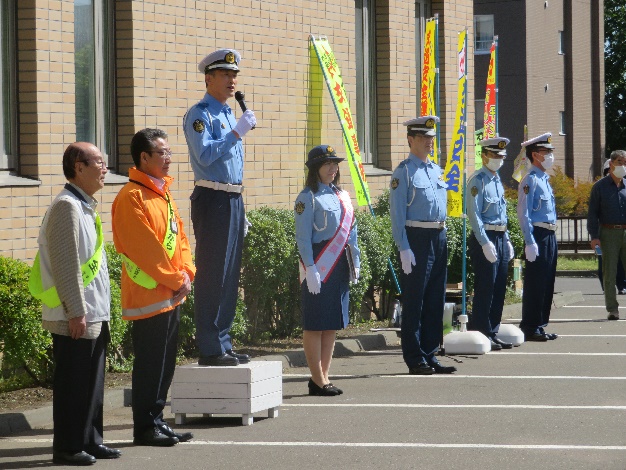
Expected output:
{"points": [[140, 217]]}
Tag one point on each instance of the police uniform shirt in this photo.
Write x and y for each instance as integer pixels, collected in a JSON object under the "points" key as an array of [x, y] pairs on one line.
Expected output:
{"points": [[485, 203], [419, 193], [215, 152], [535, 203], [318, 216]]}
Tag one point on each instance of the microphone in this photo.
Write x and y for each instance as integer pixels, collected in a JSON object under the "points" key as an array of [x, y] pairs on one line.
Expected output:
{"points": [[240, 97]]}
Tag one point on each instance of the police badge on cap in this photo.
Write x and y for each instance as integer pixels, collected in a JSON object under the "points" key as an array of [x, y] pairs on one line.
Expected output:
{"points": [[227, 59], [423, 125]]}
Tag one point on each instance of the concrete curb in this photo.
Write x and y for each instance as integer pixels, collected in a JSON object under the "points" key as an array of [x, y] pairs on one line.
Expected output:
{"points": [[24, 421]]}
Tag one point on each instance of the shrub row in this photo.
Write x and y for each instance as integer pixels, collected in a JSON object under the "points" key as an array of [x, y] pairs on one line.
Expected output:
{"points": [[269, 308]]}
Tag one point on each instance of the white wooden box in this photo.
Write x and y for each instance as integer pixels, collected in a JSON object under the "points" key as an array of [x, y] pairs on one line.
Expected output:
{"points": [[244, 389]]}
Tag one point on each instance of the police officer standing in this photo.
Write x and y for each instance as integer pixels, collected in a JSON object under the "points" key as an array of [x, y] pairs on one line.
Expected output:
{"points": [[418, 203], [536, 211], [216, 153], [490, 247]]}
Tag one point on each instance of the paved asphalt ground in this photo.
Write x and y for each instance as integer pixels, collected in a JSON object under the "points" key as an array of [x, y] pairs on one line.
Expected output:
{"points": [[554, 405]]}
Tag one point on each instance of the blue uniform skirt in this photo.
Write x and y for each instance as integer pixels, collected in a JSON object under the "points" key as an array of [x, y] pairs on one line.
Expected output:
{"points": [[327, 310]]}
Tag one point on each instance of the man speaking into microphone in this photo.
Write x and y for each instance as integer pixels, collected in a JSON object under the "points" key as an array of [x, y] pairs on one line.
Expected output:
{"points": [[216, 154]]}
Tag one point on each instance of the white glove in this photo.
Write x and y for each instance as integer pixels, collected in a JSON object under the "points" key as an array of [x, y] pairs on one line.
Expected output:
{"points": [[246, 122], [532, 251], [489, 250], [407, 259], [511, 251], [313, 281], [246, 226]]}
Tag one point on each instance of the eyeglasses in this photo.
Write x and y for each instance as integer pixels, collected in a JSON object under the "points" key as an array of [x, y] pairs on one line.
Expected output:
{"points": [[163, 153], [101, 163]]}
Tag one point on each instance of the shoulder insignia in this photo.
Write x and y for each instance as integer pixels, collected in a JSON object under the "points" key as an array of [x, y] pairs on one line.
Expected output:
{"points": [[474, 191], [198, 126], [526, 189], [223, 126], [394, 183], [299, 207]]}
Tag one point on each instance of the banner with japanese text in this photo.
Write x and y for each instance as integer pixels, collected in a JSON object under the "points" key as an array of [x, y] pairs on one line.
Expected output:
{"points": [[491, 115], [455, 166], [429, 76], [334, 81], [478, 137]]}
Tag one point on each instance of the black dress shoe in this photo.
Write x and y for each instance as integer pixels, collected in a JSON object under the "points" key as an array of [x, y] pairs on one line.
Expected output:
{"points": [[326, 391], [495, 346], [182, 437], [73, 458], [550, 336], [339, 391], [440, 369], [242, 358], [218, 360], [421, 369], [535, 337], [503, 344], [100, 451], [154, 437]]}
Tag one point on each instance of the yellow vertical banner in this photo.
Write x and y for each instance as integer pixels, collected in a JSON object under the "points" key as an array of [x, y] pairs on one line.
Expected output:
{"points": [[427, 89], [455, 165], [334, 81], [491, 114]]}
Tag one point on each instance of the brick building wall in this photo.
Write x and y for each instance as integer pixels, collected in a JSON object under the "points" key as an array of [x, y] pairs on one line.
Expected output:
{"points": [[158, 45]]}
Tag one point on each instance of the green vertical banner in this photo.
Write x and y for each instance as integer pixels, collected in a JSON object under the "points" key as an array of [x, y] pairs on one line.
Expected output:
{"points": [[334, 81], [478, 149]]}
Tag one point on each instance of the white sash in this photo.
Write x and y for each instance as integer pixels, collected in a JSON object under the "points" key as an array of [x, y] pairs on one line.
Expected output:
{"points": [[328, 257]]}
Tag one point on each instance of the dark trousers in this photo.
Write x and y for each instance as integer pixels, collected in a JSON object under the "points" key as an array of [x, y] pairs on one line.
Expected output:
{"points": [[620, 279], [489, 284], [78, 390], [218, 223], [539, 283], [423, 295], [155, 343]]}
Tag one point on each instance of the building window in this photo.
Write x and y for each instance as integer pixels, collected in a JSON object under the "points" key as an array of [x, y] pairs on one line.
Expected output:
{"points": [[366, 79], [95, 80], [8, 159], [479, 115], [561, 42], [483, 33], [562, 116]]}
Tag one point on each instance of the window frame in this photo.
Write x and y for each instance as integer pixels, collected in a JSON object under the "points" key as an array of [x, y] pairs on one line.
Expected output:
{"points": [[366, 84], [8, 91], [103, 43], [485, 45]]}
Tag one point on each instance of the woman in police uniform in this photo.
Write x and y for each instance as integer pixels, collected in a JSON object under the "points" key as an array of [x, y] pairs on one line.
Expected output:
{"points": [[329, 259]]}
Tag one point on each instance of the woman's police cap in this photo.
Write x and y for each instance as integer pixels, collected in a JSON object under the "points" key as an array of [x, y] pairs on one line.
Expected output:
{"points": [[227, 59], [321, 154], [423, 125]]}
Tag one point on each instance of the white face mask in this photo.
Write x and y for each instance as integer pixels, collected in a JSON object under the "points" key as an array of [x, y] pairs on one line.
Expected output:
{"points": [[548, 161], [494, 164], [619, 171]]}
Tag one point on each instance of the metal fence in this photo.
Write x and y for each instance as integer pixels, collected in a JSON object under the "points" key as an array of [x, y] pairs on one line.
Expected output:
{"points": [[572, 234]]}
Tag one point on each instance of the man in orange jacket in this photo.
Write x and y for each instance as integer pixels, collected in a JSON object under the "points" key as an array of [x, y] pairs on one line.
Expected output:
{"points": [[157, 275]]}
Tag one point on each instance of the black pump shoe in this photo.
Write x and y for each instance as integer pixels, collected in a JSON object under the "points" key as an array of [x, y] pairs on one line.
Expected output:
{"points": [[326, 391], [333, 386]]}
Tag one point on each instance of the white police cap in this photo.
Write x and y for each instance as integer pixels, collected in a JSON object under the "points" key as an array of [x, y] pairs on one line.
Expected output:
{"points": [[496, 145], [543, 140], [221, 59], [424, 125]]}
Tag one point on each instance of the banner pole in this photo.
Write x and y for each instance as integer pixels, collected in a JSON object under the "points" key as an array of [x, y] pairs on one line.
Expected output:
{"points": [[464, 268], [362, 183]]}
